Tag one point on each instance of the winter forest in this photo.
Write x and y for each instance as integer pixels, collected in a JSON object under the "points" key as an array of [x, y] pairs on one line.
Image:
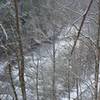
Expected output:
{"points": [[49, 49]]}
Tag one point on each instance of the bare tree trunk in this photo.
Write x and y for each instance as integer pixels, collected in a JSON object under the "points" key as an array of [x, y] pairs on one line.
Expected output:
{"points": [[44, 85], [12, 84], [68, 84], [21, 55], [77, 87], [37, 77], [96, 77], [97, 56], [54, 69]]}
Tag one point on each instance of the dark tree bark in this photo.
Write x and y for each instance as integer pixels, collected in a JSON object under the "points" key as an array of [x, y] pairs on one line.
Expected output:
{"points": [[21, 55], [12, 84], [97, 56], [54, 69], [81, 26]]}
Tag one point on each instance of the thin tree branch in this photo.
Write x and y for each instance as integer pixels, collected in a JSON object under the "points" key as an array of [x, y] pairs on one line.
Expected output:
{"points": [[4, 31], [81, 26], [12, 83]]}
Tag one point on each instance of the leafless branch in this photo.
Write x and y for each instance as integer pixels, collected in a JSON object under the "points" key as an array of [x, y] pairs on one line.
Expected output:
{"points": [[81, 26], [4, 31]]}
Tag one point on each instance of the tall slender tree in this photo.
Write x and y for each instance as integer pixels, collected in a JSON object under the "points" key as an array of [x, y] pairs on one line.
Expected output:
{"points": [[97, 55], [54, 68], [21, 54]]}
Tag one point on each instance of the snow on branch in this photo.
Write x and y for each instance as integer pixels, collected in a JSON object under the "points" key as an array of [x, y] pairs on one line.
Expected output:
{"points": [[4, 31]]}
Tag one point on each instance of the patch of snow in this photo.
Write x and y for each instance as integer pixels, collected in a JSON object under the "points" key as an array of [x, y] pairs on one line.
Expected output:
{"points": [[66, 99], [2, 66]]}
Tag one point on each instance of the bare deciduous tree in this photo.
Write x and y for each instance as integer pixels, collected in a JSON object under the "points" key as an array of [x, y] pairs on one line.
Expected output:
{"points": [[20, 52]]}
